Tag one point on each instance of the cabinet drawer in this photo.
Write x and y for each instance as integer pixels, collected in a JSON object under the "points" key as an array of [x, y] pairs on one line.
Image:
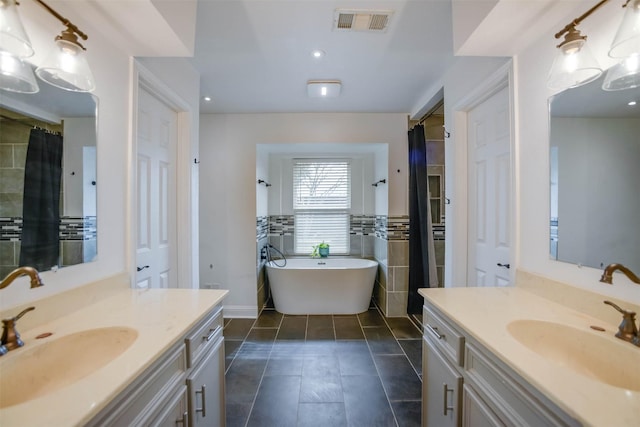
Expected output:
{"points": [[139, 403], [514, 404], [445, 337], [203, 336]]}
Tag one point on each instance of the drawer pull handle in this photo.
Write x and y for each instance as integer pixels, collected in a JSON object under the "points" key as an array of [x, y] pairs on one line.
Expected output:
{"points": [[445, 399], [212, 333], [204, 401], [184, 420], [435, 332]]}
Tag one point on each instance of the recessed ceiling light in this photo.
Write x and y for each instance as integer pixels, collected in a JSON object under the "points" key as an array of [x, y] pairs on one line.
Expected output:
{"points": [[632, 103], [318, 53], [206, 98]]}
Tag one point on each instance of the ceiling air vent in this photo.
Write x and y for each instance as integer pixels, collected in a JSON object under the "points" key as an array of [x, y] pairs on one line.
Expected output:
{"points": [[362, 20]]}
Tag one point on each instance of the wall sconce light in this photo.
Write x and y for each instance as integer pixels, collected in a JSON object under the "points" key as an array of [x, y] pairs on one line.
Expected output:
{"points": [[574, 64], [626, 45], [66, 67]]}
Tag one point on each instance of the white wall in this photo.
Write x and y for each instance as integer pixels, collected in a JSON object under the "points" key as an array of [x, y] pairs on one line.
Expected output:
{"points": [[111, 71], [111, 67], [382, 171], [281, 175], [228, 175], [533, 65]]}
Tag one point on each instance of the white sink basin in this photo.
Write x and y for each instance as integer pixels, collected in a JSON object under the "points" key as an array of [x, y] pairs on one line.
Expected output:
{"points": [[590, 353], [29, 373]]}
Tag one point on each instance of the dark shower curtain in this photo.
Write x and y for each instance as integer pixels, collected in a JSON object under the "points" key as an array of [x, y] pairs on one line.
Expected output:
{"points": [[40, 246], [418, 221]]}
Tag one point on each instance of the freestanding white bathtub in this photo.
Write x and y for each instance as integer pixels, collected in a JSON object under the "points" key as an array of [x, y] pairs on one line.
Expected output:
{"points": [[322, 285]]}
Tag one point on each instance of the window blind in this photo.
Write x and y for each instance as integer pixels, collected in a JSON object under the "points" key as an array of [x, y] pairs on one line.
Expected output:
{"points": [[321, 184], [321, 202]]}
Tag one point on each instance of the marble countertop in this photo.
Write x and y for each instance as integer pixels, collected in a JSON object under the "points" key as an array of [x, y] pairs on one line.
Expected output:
{"points": [[484, 314], [160, 317]]}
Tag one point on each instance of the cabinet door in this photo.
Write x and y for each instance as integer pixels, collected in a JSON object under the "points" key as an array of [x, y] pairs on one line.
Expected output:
{"points": [[441, 389], [206, 389], [174, 413], [476, 413]]}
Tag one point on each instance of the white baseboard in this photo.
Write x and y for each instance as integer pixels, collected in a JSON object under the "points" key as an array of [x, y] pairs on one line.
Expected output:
{"points": [[240, 311]]}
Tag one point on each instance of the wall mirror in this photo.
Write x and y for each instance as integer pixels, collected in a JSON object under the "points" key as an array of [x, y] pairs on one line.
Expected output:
{"points": [[47, 179], [595, 176]]}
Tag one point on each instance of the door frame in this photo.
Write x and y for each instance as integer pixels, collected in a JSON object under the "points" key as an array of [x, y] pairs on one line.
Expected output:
{"points": [[501, 78], [143, 77]]}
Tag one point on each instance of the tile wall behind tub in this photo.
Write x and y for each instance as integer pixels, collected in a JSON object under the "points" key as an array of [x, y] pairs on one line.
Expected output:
{"points": [[392, 254], [361, 231]]}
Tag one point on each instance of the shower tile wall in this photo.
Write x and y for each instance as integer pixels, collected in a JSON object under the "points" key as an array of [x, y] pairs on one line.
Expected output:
{"points": [[13, 153], [392, 253]]}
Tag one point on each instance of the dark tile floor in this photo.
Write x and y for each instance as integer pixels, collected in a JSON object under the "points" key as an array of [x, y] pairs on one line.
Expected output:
{"points": [[330, 371]]}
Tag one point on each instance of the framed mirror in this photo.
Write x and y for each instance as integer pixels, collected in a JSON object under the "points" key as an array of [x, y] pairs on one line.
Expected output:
{"points": [[47, 179], [595, 176]]}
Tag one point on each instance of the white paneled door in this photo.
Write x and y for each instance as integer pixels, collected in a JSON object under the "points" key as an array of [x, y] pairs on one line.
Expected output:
{"points": [[156, 193], [489, 191]]}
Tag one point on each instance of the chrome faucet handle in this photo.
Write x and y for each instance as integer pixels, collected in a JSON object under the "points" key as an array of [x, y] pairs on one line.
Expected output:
{"points": [[10, 336], [627, 329]]}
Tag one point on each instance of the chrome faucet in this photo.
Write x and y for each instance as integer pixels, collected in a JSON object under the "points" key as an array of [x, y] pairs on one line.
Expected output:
{"points": [[627, 329], [609, 269], [36, 282]]}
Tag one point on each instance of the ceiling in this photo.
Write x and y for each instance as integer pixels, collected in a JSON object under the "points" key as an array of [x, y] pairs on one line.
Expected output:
{"points": [[255, 56]]}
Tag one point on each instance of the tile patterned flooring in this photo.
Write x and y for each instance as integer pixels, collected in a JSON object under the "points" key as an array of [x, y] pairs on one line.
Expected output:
{"points": [[330, 371]]}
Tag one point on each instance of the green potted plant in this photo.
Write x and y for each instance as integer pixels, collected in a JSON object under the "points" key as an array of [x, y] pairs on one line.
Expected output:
{"points": [[320, 250]]}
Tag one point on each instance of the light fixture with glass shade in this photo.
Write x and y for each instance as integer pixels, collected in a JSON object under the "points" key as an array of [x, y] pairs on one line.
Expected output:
{"points": [[574, 64], [13, 37], [65, 67], [16, 75], [626, 45]]}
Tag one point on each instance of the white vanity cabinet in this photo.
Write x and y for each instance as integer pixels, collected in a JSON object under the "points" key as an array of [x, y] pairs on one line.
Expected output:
{"points": [[464, 384], [205, 381], [183, 387]]}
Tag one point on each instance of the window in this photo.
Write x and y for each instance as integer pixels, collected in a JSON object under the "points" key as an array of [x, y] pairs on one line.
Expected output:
{"points": [[321, 203]]}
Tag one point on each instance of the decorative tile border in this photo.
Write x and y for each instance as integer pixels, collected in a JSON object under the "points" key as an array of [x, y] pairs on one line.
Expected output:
{"points": [[10, 229], [281, 225], [262, 227], [362, 225], [71, 228], [381, 226], [392, 227]]}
